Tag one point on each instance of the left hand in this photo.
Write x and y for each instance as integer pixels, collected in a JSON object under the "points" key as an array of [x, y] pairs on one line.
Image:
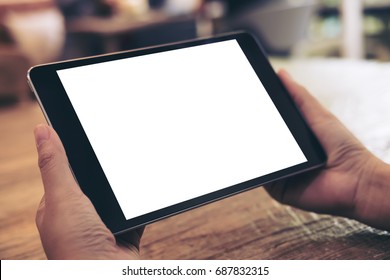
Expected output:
{"points": [[68, 224]]}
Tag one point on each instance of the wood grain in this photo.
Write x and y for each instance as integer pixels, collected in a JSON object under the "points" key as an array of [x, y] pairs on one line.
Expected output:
{"points": [[20, 184], [246, 226]]}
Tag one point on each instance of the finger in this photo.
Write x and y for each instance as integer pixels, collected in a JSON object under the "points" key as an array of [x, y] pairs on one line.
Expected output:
{"points": [[58, 180], [276, 189], [131, 238], [320, 120]]}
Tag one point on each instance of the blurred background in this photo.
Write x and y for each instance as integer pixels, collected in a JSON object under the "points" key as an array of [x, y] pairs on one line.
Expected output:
{"points": [[339, 49], [40, 31]]}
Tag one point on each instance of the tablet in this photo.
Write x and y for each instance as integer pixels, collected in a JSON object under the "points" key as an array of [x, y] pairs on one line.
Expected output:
{"points": [[154, 132]]}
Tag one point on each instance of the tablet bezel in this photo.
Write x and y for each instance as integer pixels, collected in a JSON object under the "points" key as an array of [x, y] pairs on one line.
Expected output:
{"points": [[60, 114]]}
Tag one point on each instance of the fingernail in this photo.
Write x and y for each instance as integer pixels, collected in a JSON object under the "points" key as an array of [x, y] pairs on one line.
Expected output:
{"points": [[42, 134]]}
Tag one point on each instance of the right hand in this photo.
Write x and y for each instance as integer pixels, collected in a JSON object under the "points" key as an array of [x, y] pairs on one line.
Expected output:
{"points": [[354, 183]]}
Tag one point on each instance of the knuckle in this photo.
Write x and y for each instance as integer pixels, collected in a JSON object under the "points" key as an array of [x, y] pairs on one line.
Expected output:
{"points": [[46, 160]]}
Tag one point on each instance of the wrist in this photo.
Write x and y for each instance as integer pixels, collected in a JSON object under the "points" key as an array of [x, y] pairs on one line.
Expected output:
{"points": [[372, 198]]}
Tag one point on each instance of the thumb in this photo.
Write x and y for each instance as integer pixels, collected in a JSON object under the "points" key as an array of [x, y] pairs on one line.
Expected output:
{"points": [[311, 109], [320, 120], [58, 180]]}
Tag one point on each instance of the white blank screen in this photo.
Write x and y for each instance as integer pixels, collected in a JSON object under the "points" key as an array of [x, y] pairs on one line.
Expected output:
{"points": [[176, 125]]}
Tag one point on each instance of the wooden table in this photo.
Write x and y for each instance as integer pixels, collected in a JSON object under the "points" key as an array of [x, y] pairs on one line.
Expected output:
{"points": [[247, 226]]}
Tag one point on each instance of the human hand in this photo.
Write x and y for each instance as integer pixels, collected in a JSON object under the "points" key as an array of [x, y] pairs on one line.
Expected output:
{"points": [[354, 183], [68, 224]]}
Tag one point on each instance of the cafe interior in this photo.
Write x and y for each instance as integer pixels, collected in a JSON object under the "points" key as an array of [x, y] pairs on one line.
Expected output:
{"points": [[338, 49]]}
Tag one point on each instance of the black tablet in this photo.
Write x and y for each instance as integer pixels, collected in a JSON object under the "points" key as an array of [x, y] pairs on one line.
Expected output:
{"points": [[154, 132]]}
